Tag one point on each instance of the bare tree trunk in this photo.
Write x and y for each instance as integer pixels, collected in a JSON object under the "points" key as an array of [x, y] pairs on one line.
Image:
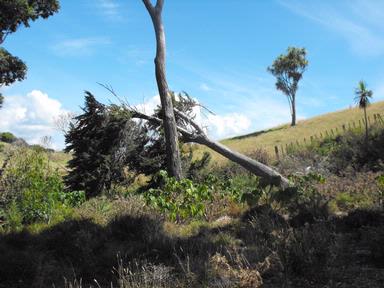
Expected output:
{"points": [[366, 124], [169, 123], [293, 104]]}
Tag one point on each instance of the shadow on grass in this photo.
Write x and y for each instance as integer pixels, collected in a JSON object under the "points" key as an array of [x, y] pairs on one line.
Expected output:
{"points": [[81, 249], [84, 250]]}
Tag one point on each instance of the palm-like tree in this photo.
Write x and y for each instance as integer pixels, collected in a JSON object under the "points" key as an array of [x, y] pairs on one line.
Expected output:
{"points": [[362, 99]]}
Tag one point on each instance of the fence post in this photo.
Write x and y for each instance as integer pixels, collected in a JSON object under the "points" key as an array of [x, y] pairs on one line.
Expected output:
{"points": [[380, 118], [277, 153], [344, 127]]}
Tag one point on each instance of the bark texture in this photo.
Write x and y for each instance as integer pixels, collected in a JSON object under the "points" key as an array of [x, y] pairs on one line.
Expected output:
{"points": [[293, 105], [169, 123]]}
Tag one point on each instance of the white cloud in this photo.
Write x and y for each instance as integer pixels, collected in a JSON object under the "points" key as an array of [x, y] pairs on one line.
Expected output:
{"points": [[217, 126], [358, 22], [79, 46], [32, 117], [148, 106], [228, 125]]}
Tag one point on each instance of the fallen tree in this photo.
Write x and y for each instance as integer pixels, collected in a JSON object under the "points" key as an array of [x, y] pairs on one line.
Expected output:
{"points": [[190, 131]]}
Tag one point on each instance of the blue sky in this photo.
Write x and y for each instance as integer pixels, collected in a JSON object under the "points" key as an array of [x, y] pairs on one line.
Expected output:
{"points": [[217, 51]]}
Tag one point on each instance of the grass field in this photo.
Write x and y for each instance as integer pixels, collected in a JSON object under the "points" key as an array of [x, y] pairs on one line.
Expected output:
{"points": [[285, 134], [58, 159]]}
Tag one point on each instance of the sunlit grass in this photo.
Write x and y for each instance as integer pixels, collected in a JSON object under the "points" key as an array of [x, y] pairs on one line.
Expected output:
{"points": [[283, 135]]}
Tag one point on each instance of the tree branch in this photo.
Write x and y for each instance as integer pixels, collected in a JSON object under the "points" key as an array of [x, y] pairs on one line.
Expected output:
{"points": [[159, 5], [149, 6], [190, 121]]}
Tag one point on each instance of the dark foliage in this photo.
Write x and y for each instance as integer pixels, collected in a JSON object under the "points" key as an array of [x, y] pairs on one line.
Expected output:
{"points": [[103, 143], [12, 69], [354, 151], [7, 137], [107, 144], [17, 12]]}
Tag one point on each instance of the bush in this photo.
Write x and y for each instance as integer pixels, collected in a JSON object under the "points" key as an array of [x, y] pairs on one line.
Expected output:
{"points": [[353, 150], [33, 191], [181, 199], [7, 137], [304, 202]]}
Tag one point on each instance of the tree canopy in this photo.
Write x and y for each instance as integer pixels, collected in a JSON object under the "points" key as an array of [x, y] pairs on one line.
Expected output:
{"points": [[20, 12], [288, 70], [363, 95], [15, 13], [12, 68]]}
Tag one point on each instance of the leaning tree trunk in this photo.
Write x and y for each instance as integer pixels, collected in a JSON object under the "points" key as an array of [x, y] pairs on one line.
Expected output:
{"points": [[266, 173], [169, 123]]}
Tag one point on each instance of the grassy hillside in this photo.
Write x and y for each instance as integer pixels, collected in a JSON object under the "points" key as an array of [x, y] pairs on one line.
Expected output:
{"points": [[285, 134], [58, 159]]}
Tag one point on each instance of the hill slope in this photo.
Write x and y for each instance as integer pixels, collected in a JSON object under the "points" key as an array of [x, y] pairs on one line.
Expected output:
{"points": [[283, 135]]}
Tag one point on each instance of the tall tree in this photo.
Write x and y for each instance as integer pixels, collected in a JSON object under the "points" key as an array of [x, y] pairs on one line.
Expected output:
{"points": [[362, 99], [13, 14], [288, 70], [169, 122]]}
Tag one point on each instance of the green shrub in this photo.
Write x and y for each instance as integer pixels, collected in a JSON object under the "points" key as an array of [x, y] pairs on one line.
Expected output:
{"points": [[344, 201], [33, 191], [180, 199], [237, 185], [304, 202], [73, 198], [353, 150], [7, 137]]}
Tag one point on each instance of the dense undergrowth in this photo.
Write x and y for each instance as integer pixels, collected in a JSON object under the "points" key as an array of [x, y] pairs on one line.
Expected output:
{"points": [[221, 228]]}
